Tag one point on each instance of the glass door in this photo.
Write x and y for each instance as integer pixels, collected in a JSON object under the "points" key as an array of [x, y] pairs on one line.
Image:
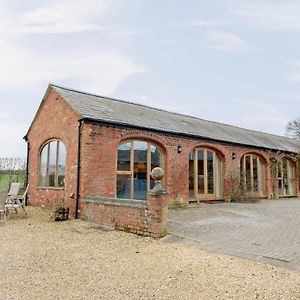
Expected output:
{"points": [[205, 174]]}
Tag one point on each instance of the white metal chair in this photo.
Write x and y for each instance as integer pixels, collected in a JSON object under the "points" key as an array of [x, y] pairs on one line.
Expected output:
{"points": [[14, 202], [14, 190]]}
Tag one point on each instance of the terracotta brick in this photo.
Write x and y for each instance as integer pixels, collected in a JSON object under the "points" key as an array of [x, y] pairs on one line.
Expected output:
{"points": [[56, 120]]}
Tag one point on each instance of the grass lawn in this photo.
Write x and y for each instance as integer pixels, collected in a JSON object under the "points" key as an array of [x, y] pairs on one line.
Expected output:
{"points": [[5, 179]]}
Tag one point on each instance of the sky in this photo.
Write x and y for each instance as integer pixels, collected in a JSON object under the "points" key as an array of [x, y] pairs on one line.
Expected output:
{"points": [[230, 61]]}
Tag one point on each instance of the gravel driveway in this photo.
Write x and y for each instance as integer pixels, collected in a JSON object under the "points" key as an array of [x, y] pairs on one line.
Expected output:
{"points": [[267, 231], [42, 259]]}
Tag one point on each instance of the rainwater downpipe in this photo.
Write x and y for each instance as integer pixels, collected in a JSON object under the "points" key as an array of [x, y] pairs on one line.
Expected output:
{"points": [[78, 168], [27, 168]]}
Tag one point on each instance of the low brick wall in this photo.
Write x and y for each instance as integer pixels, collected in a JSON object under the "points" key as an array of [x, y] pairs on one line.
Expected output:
{"points": [[148, 218]]}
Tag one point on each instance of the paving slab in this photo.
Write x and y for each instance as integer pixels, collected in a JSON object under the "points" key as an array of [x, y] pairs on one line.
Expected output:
{"points": [[267, 231]]}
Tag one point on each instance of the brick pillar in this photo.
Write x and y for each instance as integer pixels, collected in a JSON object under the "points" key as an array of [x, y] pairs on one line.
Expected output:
{"points": [[156, 214]]}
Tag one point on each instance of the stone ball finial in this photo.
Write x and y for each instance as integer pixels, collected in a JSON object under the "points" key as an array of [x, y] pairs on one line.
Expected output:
{"points": [[157, 173]]}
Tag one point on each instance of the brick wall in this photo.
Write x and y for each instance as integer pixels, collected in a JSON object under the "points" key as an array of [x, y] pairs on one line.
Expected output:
{"points": [[54, 120], [147, 218], [99, 154]]}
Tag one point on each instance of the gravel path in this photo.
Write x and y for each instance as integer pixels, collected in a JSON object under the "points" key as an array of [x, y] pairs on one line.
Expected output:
{"points": [[42, 259]]}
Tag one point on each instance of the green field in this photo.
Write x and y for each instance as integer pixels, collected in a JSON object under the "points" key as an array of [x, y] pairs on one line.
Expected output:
{"points": [[5, 180]]}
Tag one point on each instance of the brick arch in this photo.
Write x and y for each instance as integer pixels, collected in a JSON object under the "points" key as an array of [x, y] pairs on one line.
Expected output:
{"points": [[153, 139], [211, 147], [41, 147], [260, 155], [288, 157]]}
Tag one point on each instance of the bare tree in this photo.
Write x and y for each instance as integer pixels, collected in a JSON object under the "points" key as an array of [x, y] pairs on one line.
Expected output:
{"points": [[13, 168], [293, 129]]}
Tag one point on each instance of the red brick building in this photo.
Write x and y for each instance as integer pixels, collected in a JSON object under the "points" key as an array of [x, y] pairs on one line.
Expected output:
{"points": [[91, 149]]}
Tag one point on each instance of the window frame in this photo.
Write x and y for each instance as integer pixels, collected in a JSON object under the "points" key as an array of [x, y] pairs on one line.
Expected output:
{"points": [[261, 170], [216, 156], [131, 171], [290, 180], [56, 185]]}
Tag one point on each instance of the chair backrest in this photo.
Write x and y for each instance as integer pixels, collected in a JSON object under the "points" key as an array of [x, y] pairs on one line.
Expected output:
{"points": [[14, 189]]}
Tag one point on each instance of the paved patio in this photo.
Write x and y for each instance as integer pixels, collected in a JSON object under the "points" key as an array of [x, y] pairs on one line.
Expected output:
{"points": [[268, 231]]}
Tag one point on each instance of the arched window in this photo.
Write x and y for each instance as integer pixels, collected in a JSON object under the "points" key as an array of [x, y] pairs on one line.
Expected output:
{"points": [[205, 174], [286, 178], [53, 165], [135, 160], [253, 174]]}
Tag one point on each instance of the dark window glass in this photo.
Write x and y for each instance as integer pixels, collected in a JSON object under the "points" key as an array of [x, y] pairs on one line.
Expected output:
{"points": [[134, 182], [191, 174], [248, 174], [124, 157], [140, 170], [200, 172], [123, 186], [210, 172], [155, 161], [61, 168], [52, 162], [255, 175], [43, 166]]}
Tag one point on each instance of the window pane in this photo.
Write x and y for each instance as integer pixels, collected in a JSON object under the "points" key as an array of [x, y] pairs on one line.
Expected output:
{"points": [[52, 163], [156, 158], [124, 157], [191, 174], [285, 179], [261, 178], [291, 176], [280, 187], [248, 174], [218, 178], [255, 175], [140, 170], [210, 172], [123, 186], [279, 170], [61, 164], [43, 166], [200, 172]]}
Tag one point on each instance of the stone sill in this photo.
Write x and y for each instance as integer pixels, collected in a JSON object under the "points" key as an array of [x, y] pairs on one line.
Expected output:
{"points": [[115, 201], [50, 188]]}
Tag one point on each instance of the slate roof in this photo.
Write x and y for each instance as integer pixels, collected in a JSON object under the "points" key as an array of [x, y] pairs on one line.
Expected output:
{"points": [[121, 112]]}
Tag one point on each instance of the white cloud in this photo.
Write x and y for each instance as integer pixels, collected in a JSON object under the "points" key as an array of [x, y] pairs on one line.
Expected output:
{"points": [[284, 96], [26, 67], [226, 42], [96, 71], [272, 15], [11, 143], [264, 116], [197, 23], [294, 74], [64, 16]]}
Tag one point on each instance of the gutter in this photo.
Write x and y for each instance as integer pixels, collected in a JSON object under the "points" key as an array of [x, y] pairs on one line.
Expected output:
{"points": [[178, 134], [80, 123]]}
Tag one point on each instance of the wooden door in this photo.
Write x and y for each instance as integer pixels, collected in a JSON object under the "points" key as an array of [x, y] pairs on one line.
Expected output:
{"points": [[205, 174]]}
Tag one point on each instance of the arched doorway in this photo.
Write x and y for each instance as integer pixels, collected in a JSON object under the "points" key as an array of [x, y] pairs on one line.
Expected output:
{"points": [[253, 174], [205, 174], [286, 178]]}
